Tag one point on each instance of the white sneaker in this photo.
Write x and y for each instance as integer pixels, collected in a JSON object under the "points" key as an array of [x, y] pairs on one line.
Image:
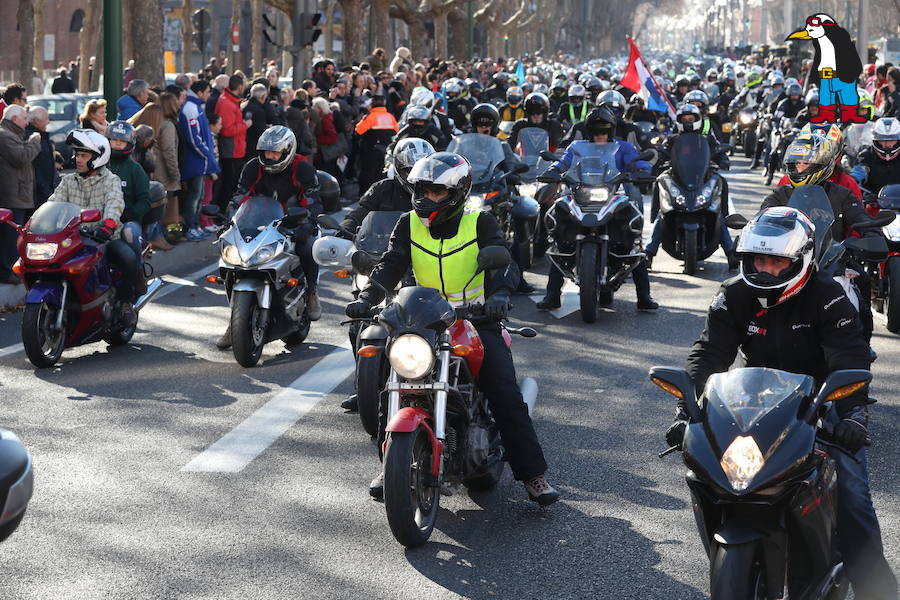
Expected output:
{"points": [[211, 228]]}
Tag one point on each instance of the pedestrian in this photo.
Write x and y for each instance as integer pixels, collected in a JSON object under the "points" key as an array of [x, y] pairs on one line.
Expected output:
{"points": [[327, 139], [15, 93], [48, 162], [211, 183], [17, 150], [218, 86], [376, 60], [37, 84], [232, 139], [129, 75], [136, 96], [167, 171], [892, 93], [258, 111], [297, 118], [61, 83], [94, 116], [401, 57], [374, 134], [197, 157], [323, 74]]}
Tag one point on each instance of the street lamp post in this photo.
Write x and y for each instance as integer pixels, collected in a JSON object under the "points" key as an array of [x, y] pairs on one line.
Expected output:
{"points": [[112, 54]]}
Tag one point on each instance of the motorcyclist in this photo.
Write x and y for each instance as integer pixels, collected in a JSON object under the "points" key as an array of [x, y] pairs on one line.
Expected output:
{"points": [[689, 120], [419, 124], [280, 173], [601, 124], [577, 107], [711, 87], [513, 109], [496, 92], [625, 130], [699, 99], [93, 185], [787, 108], [558, 94], [748, 97], [426, 98], [835, 138], [458, 105], [780, 296], [811, 110], [876, 167], [135, 185], [537, 109], [442, 183], [372, 136], [682, 87], [595, 87]]}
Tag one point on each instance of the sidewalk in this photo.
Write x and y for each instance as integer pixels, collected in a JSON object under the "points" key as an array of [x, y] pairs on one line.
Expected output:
{"points": [[163, 263]]}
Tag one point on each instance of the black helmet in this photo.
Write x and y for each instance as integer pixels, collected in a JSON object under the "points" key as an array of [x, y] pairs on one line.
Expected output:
{"points": [[812, 97], [418, 113], [121, 130], [475, 88], [594, 86], [329, 189], [536, 103], [277, 139], [682, 80], [794, 90], [600, 120], [614, 101], [486, 114], [440, 171], [695, 79]]}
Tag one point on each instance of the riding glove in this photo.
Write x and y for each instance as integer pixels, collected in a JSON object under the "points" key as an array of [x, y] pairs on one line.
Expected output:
{"points": [[106, 230], [359, 309], [852, 431], [675, 433], [497, 307]]}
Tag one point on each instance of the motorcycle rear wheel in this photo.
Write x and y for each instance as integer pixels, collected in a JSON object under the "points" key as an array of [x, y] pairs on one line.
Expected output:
{"points": [[410, 500], [690, 251], [736, 575], [43, 348], [248, 335], [371, 375], [299, 336], [587, 282], [893, 295]]}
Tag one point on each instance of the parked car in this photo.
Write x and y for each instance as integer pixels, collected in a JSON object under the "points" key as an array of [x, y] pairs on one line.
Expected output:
{"points": [[64, 110]]}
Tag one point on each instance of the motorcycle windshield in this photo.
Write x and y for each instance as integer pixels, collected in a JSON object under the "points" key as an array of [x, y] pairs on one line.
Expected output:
{"points": [[483, 152], [690, 159], [531, 142], [417, 308], [858, 135], [596, 164], [813, 201], [255, 214], [646, 126], [750, 394], [375, 231], [53, 217]]}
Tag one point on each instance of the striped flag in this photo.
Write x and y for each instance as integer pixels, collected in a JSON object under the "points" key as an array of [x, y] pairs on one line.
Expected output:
{"points": [[639, 80]]}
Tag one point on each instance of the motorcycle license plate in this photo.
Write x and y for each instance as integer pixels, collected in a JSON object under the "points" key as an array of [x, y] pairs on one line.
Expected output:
{"points": [[726, 128]]}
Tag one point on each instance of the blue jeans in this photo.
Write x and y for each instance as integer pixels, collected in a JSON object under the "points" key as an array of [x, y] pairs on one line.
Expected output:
{"points": [[656, 237], [190, 202], [132, 235], [834, 91], [859, 535]]}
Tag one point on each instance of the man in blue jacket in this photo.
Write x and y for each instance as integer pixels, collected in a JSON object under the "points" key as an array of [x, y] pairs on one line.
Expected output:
{"points": [[198, 157], [135, 98], [600, 125]]}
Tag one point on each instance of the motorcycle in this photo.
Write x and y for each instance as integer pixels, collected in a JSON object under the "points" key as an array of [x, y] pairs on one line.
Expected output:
{"points": [[762, 479], [780, 140], [73, 297], [517, 214], [743, 130], [17, 477], [885, 275], [533, 150], [856, 137], [440, 430], [595, 230], [264, 281], [688, 197]]}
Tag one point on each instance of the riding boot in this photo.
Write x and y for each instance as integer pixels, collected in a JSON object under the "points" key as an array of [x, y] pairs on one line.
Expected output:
{"points": [[224, 342], [827, 113]]}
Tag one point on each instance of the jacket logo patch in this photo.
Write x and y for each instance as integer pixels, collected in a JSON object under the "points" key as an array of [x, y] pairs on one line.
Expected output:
{"points": [[844, 322], [718, 302], [831, 302], [756, 330], [800, 326], [124, 183]]}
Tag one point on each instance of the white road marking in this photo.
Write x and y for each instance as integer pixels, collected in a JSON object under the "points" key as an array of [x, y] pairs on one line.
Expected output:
{"points": [[240, 446], [11, 350]]}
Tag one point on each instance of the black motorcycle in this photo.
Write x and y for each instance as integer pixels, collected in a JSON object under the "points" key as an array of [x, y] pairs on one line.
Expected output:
{"points": [[762, 479], [780, 139], [595, 231], [688, 197], [744, 130]]}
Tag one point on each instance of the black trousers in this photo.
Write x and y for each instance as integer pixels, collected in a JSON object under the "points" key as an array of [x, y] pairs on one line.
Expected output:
{"points": [[9, 254], [498, 382], [123, 258], [231, 174]]}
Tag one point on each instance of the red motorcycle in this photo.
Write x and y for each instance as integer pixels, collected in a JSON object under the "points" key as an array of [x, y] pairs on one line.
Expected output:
{"points": [[72, 296], [440, 430]]}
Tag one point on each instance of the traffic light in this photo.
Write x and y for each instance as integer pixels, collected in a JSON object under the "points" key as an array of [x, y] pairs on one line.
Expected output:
{"points": [[306, 31], [269, 30], [201, 22]]}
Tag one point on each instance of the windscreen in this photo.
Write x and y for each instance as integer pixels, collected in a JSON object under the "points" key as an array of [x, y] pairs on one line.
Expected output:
{"points": [[375, 231], [690, 159], [53, 217], [858, 135], [255, 214], [483, 152], [596, 164], [750, 394], [813, 202], [531, 142]]}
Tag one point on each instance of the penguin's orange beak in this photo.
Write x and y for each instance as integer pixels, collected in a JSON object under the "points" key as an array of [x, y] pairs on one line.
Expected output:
{"points": [[800, 34]]}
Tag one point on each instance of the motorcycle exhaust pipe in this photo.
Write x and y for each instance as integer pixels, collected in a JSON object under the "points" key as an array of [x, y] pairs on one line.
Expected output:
{"points": [[529, 390], [152, 289]]}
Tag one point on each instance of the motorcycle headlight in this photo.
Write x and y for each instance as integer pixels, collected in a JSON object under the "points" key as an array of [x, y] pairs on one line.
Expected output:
{"points": [[411, 356], [528, 189], [746, 118], [263, 254], [475, 202], [705, 197], [891, 231], [586, 195], [231, 255], [741, 462], [360, 281], [43, 251]]}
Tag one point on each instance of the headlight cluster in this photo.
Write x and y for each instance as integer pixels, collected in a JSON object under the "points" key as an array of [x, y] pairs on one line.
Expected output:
{"points": [[706, 196], [411, 356], [586, 195], [42, 251], [746, 118], [475, 202], [741, 462], [360, 281], [232, 255], [892, 230], [528, 189], [670, 196]]}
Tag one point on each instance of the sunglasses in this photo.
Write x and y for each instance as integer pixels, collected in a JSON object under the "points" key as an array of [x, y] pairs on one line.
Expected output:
{"points": [[817, 22]]}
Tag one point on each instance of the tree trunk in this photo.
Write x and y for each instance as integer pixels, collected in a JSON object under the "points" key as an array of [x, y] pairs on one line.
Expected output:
{"points": [[352, 30], [329, 29], [459, 29], [287, 32], [39, 40], [25, 17], [417, 38], [127, 37], [98, 64], [235, 22], [440, 34], [382, 25], [148, 41], [256, 36], [187, 36], [87, 37]]}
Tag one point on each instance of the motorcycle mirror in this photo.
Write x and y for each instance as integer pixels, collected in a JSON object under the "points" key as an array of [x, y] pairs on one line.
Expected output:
{"points": [[736, 221], [210, 210], [884, 217], [678, 383], [328, 222], [90, 215], [5, 215], [520, 169], [838, 385], [363, 262], [547, 155], [868, 248]]}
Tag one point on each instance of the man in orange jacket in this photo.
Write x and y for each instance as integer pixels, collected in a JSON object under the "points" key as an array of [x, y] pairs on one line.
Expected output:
{"points": [[232, 138], [373, 136]]}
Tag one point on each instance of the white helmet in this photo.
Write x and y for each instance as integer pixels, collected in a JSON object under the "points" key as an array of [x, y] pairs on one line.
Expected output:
{"points": [[277, 139], [422, 97], [692, 125], [784, 232], [405, 154], [886, 129], [88, 140]]}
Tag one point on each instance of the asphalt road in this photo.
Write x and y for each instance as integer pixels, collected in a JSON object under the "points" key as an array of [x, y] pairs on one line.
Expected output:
{"points": [[130, 502]]}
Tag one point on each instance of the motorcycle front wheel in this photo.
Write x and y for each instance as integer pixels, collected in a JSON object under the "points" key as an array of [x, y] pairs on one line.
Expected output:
{"points": [[690, 251], [736, 575], [749, 143], [248, 331], [42, 345], [371, 375], [587, 282], [411, 496]]}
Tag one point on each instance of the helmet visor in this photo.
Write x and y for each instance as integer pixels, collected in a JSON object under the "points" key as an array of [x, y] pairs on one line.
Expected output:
{"points": [[774, 236]]}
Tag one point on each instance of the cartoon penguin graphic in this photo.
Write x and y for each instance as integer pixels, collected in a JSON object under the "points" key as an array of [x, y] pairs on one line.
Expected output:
{"points": [[836, 68]]}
